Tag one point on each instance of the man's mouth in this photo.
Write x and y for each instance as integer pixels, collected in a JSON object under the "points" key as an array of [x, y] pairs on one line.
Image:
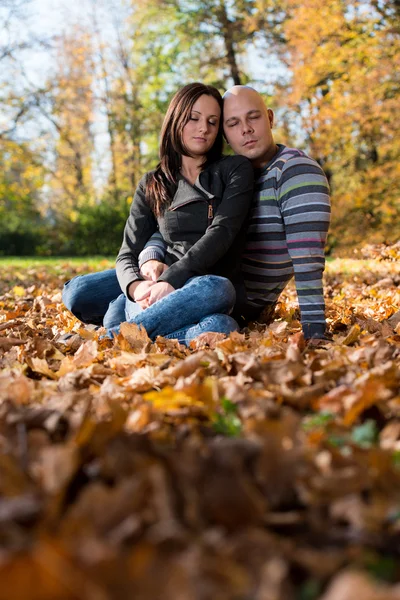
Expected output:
{"points": [[249, 142]]}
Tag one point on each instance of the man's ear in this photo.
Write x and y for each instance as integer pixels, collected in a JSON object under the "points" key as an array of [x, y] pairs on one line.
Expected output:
{"points": [[270, 117]]}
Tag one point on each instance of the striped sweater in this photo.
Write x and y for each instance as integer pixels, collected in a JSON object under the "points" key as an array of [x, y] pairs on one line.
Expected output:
{"points": [[286, 237], [287, 234]]}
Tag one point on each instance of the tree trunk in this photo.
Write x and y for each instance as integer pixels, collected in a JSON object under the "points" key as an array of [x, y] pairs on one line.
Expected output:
{"points": [[227, 32]]}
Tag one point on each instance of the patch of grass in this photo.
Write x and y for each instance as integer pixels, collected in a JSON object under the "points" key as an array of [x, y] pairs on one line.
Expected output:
{"points": [[27, 271], [316, 421], [29, 262], [227, 421], [365, 435], [356, 266]]}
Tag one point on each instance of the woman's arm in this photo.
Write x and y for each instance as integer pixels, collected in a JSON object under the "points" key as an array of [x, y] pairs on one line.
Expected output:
{"points": [[219, 236], [141, 224]]}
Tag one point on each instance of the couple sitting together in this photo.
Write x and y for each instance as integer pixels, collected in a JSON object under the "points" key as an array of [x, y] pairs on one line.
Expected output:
{"points": [[211, 240]]}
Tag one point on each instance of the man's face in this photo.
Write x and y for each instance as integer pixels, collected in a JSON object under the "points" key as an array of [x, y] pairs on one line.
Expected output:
{"points": [[247, 126]]}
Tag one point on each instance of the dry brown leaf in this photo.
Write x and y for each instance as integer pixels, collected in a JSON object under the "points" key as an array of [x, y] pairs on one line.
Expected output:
{"points": [[40, 365], [136, 336], [9, 342], [349, 585]]}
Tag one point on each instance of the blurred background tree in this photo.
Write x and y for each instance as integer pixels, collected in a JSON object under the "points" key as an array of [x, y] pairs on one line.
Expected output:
{"points": [[82, 102]]}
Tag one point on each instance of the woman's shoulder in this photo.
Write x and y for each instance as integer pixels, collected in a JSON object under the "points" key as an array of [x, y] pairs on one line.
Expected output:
{"points": [[146, 178]]}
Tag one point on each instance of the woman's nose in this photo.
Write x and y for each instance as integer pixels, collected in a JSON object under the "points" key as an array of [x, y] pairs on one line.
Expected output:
{"points": [[203, 126]]}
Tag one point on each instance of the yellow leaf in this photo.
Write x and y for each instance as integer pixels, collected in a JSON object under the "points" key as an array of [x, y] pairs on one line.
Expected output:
{"points": [[200, 396], [19, 291], [352, 336]]}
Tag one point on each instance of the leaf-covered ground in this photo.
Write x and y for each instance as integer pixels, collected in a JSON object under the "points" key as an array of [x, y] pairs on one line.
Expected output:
{"points": [[255, 468]]}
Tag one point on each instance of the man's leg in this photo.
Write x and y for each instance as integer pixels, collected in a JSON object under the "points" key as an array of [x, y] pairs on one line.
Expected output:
{"points": [[200, 297], [88, 296]]}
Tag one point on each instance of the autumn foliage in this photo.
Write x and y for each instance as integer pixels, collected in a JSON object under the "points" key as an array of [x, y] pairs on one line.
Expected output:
{"points": [[257, 466], [81, 109]]}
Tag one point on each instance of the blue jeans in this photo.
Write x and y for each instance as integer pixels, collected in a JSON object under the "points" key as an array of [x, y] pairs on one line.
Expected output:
{"points": [[201, 305], [88, 297]]}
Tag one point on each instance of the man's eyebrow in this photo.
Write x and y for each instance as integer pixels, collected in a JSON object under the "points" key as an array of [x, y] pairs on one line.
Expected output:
{"points": [[209, 116], [250, 112]]}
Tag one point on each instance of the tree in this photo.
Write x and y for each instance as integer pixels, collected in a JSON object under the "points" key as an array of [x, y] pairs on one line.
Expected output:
{"points": [[346, 91], [67, 103]]}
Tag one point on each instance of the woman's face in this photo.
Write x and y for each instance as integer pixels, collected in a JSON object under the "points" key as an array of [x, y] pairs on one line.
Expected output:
{"points": [[201, 130]]}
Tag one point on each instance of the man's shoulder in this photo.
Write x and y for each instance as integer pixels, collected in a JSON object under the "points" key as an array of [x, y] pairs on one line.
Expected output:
{"points": [[292, 157], [220, 172]]}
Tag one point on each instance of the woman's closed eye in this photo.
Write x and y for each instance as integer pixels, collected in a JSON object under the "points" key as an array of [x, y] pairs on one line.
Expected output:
{"points": [[210, 122]]}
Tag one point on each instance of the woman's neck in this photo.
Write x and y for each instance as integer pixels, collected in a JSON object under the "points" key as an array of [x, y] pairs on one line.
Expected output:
{"points": [[191, 167]]}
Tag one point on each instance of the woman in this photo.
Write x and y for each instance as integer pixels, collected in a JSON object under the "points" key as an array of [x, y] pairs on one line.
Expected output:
{"points": [[199, 201]]}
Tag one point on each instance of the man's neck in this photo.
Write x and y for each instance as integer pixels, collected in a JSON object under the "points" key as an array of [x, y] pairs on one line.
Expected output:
{"points": [[262, 162]]}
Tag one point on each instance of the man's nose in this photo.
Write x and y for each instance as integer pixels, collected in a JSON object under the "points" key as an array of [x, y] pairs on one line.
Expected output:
{"points": [[247, 128]]}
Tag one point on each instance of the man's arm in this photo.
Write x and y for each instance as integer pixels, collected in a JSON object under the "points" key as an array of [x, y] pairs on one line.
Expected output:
{"points": [[151, 259], [305, 206], [154, 249]]}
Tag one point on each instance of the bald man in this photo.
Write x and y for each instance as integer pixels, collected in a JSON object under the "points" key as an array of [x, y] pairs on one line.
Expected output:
{"points": [[286, 235], [290, 215]]}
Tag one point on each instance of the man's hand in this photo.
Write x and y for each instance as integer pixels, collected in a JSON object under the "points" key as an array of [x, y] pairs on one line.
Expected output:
{"points": [[159, 290], [152, 269], [140, 292]]}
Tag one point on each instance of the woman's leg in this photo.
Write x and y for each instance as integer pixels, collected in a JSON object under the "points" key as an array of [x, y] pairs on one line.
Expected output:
{"points": [[115, 314], [217, 323], [88, 296], [200, 297]]}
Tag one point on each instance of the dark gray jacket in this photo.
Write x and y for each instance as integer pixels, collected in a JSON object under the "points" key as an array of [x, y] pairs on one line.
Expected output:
{"points": [[196, 245]]}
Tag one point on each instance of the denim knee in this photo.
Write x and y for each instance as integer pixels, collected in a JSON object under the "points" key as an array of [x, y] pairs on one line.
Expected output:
{"points": [[71, 296], [219, 323], [222, 290], [88, 296]]}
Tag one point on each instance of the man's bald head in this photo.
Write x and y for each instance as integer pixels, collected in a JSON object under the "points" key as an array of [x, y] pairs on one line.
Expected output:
{"points": [[236, 89], [247, 124]]}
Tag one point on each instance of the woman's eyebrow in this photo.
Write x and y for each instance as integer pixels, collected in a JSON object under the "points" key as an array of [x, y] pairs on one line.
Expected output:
{"points": [[199, 113]]}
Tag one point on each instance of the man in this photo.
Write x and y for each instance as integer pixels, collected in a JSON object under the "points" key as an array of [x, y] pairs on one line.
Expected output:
{"points": [[287, 230]]}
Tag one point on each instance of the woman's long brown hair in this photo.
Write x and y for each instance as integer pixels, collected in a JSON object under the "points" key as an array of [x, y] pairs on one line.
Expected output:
{"points": [[165, 177]]}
